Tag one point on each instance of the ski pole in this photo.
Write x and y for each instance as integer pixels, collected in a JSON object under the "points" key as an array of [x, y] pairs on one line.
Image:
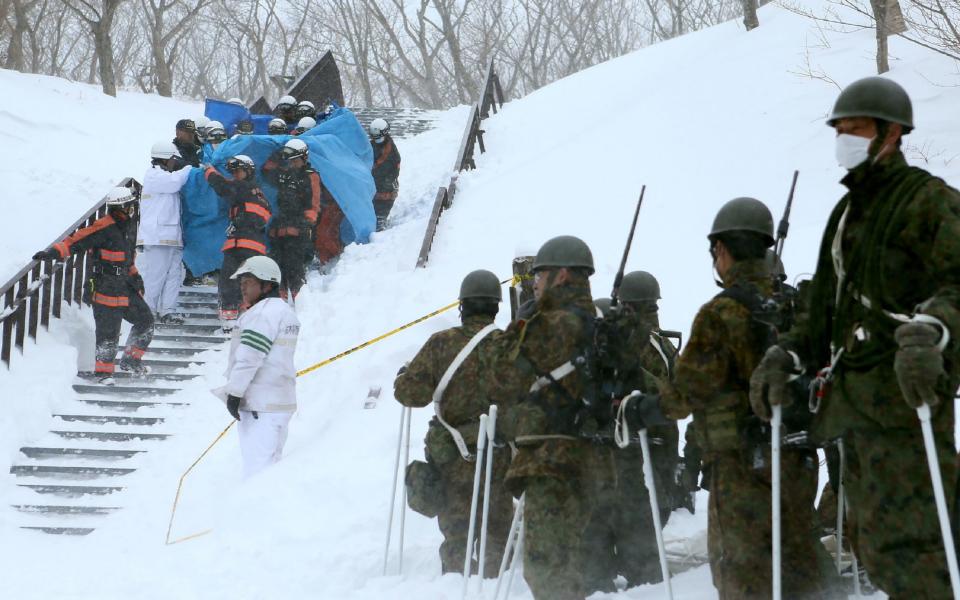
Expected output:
{"points": [[655, 509], [511, 538], [490, 433], [517, 553], [841, 500], [923, 412], [393, 490], [403, 495], [478, 468], [775, 495]]}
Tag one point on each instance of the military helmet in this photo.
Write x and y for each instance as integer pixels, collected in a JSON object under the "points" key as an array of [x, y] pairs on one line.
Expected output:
{"points": [[639, 286], [603, 305], [481, 284], [744, 214], [876, 97], [564, 251]]}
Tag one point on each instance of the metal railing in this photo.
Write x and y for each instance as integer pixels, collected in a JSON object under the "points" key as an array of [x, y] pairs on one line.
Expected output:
{"points": [[490, 98], [39, 290]]}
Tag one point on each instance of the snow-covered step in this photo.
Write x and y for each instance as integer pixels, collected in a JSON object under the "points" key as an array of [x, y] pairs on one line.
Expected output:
{"points": [[168, 364], [198, 302], [124, 377], [60, 509], [38, 452], [69, 472], [123, 390], [111, 436], [110, 419], [173, 351], [71, 491], [194, 340], [198, 327], [205, 292], [127, 405], [61, 530]]}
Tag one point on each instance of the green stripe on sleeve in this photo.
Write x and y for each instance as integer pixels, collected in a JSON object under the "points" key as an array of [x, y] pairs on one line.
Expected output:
{"points": [[255, 346]]}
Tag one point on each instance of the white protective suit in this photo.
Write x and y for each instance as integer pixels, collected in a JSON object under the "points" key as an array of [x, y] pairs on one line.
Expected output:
{"points": [[160, 238], [261, 372]]}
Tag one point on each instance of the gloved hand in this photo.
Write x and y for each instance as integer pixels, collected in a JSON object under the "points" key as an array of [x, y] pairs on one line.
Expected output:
{"points": [[403, 369], [233, 406], [768, 383], [48, 254], [645, 411], [918, 363], [136, 282]]}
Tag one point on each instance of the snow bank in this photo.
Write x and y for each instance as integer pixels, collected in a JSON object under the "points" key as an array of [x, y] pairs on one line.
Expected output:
{"points": [[700, 120], [62, 146]]}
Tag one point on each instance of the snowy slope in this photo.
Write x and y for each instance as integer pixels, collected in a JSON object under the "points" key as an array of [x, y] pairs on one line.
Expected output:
{"points": [[700, 120], [62, 145]]}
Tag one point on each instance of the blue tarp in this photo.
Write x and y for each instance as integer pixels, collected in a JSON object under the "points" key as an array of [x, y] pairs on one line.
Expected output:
{"points": [[339, 151]]}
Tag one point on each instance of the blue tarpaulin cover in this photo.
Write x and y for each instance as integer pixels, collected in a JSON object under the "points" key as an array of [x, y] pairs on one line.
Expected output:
{"points": [[339, 151]]}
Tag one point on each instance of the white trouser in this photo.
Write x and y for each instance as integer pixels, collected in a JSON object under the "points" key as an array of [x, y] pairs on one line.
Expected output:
{"points": [[262, 439], [162, 270]]}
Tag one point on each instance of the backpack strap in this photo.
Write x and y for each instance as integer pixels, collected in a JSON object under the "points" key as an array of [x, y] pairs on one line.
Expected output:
{"points": [[445, 381]]}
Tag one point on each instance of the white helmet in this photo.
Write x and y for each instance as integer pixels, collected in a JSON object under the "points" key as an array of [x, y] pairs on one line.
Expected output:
{"points": [[119, 196], [306, 123], [201, 121], [277, 126], [287, 101], [164, 150], [262, 267], [295, 149], [378, 127], [215, 129], [236, 101], [240, 161]]}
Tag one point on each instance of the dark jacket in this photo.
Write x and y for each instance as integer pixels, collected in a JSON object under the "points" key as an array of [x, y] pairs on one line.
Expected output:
{"points": [[247, 208], [189, 151], [298, 198], [111, 240], [386, 165]]}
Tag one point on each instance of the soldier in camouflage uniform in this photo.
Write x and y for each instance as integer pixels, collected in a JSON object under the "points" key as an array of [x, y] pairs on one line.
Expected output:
{"points": [[620, 538], [885, 292], [536, 380], [711, 381], [458, 414]]}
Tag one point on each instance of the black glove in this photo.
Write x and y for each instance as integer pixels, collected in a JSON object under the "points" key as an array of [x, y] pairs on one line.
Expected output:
{"points": [[233, 406], [48, 254], [136, 282], [645, 411], [177, 163]]}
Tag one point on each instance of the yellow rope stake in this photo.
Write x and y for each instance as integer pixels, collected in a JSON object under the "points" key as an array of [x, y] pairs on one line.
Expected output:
{"points": [[512, 281], [176, 499]]}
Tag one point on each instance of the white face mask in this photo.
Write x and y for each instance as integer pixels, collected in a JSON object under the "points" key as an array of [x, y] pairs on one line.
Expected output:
{"points": [[852, 150]]}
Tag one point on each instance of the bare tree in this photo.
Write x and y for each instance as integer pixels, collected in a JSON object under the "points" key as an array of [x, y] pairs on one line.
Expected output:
{"points": [[167, 22], [98, 16]]}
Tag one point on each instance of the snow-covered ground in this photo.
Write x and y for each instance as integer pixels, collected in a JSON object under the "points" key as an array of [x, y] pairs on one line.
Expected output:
{"points": [[699, 120]]}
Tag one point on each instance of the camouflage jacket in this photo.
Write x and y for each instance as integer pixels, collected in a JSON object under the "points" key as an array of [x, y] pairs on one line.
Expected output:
{"points": [[712, 374], [899, 247], [465, 398], [542, 423]]}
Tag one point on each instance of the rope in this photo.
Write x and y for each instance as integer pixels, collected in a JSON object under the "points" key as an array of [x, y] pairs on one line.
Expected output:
{"points": [[176, 501]]}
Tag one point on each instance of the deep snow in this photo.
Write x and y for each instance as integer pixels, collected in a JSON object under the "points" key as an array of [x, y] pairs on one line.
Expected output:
{"points": [[700, 120]]}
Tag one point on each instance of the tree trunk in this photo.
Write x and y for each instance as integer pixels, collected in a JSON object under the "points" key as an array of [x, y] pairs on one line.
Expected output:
{"points": [[104, 49], [15, 59], [880, 16], [750, 19], [161, 69]]}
